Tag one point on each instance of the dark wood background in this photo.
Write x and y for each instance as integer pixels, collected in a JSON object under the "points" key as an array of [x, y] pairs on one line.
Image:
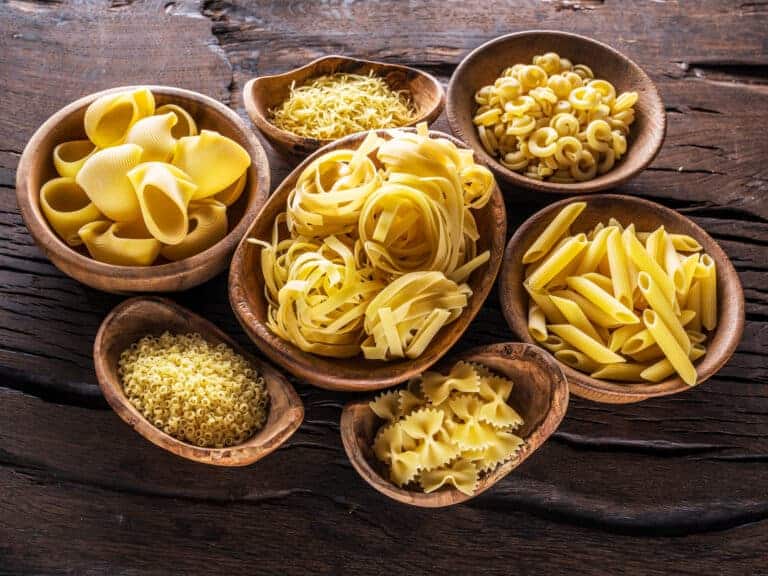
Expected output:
{"points": [[672, 485]]}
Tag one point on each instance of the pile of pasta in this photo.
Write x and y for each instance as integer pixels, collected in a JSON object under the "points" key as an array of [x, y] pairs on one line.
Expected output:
{"points": [[620, 304], [380, 243], [553, 120], [145, 184], [335, 105], [447, 430]]}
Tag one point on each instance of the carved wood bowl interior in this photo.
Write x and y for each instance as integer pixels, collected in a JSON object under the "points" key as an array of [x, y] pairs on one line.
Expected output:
{"points": [[246, 295], [539, 395], [262, 94], [486, 63], [36, 168], [647, 216], [152, 315]]}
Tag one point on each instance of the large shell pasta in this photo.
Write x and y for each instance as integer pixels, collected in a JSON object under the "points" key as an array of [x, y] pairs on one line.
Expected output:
{"points": [[164, 193], [121, 243], [196, 154], [109, 118], [552, 120], [447, 429], [104, 177], [409, 236], [632, 306], [120, 193], [67, 208]]}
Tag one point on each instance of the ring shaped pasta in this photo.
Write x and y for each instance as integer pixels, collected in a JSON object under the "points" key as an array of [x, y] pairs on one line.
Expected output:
{"points": [[120, 243], [67, 208], [553, 93], [109, 117]]}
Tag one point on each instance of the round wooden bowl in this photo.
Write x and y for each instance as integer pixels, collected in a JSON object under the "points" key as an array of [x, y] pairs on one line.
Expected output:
{"points": [[539, 395], [246, 295], [484, 64], [36, 168], [262, 94], [142, 316], [646, 216]]}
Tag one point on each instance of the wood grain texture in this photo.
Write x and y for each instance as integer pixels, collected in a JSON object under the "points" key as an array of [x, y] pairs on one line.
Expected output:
{"points": [[671, 485]]}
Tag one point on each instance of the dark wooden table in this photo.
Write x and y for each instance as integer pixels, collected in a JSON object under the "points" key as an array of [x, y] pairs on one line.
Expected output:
{"points": [[672, 485]]}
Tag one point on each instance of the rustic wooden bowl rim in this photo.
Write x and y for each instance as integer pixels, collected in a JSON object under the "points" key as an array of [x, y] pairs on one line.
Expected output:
{"points": [[266, 440], [49, 240], [515, 312], [306, 142], [450, 496], [611, 178], [372, 375]]}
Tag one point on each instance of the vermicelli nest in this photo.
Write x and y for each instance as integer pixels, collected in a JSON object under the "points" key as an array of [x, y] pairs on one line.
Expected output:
{"points": [[197, 392]]}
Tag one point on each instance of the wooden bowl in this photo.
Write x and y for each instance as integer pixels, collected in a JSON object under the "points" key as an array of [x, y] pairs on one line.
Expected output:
{"points": [[246, 295], [647, 216], [36, 168], [141, 316], [540, 396], [262, 94], [484, 64]]}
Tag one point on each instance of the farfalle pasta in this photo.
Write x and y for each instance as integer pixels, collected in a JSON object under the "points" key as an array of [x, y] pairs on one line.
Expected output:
{"points": [[145, 184], [375, 247], [552, 120], [447, 430]]}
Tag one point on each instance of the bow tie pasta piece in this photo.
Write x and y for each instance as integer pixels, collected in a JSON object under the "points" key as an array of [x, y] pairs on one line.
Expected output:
{"points": [[386, 405], [409, 401], [104, 177], [330, 192], [463, 378], [164, 193], [120, 243], [69, 157], [207, 225], [495, 392], [232, 193], [472, 433], [154, 135], [67, 208], [406, 315], [461, 474], [108, 118], [186, 125], [434, 445], [503, 447], [396, 448], [212, 161]]}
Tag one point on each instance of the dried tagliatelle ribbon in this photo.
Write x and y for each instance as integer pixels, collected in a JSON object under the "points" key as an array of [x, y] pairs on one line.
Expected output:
{"points": [[375, 247], [404, 317]]}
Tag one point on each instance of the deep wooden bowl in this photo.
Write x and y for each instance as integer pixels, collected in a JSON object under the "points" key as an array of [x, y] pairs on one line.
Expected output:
{"points": [[262, 94], [142, 316], [647, 216], [246, 295], [484, 64], [540, 396], [36, 168]]}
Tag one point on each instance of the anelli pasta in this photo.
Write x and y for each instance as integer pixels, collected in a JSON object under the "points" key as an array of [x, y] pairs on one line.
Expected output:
{"points": [[447, 429], [617, 303], [552, 120]]}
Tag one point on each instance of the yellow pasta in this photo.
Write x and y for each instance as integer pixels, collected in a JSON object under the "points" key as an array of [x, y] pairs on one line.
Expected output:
{"points": [[108, 118], [104, 177], [447, 429], [69, 157], [207, 225], [120, 243], [639, 306], [553, 232], [185, 124], [196, 154], [154, 135], [67, 208], [552, 120], [232, 193], [556, 262]]}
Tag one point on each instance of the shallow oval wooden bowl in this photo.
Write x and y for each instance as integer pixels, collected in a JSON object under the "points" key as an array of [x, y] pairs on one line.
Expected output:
{"points": [[36, 168], [539, 394], [484, 64], [246, 295], [142, 316], [262, 94], [646, 216]]}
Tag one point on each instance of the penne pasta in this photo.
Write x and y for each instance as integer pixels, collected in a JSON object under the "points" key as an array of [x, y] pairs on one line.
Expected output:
{"points": [[625, 372], [543, 301], [638, 342], [663, 368], [668, 344], [687, 316], [577, 360], [584, 343], [556, 261], [602, 299], [662, 307], [654, 245], [683, 279], [645, 263], [694, 304], [594, 252], [705, 271], [553, 343], [651, 354], [617, 264], [696, 337], [575, 316], [595, 315], [602, 280], [684, 243], [537, 323], [553, 232], [620, 335]]}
